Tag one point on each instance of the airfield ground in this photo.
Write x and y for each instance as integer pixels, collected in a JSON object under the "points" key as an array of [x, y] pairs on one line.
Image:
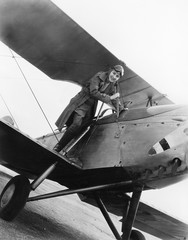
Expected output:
{"points": [[65, 218]]}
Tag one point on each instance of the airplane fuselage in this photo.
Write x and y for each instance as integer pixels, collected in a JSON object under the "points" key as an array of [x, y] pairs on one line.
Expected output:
{"points": [[150, 144], [146, 141]]}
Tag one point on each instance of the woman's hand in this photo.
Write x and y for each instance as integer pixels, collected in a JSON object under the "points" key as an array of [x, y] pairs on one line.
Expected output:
{"points": [[114, 96]]}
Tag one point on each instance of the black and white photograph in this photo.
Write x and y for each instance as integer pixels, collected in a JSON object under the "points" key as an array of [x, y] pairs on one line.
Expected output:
{"points": [[93, 120]]}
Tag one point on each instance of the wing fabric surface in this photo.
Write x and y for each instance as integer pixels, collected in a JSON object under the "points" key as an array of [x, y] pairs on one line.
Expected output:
{"points": [[27, 156], [136, 92], [45, 36], [49, 39]]}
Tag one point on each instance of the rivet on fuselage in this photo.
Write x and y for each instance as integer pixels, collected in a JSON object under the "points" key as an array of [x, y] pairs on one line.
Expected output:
{"points": [[117, 135]]}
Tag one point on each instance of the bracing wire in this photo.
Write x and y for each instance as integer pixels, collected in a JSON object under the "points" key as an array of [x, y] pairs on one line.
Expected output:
{"points": [[33, 93]]}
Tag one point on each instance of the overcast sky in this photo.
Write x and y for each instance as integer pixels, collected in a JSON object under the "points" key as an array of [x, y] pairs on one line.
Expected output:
{"points": [[150, 36]]}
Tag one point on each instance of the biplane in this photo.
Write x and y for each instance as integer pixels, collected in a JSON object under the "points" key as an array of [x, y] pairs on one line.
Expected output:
{"points": [[142, 148]]}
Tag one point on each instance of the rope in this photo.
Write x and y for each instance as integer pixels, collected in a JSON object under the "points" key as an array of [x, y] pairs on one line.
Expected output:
{"points": [[33, 94]]}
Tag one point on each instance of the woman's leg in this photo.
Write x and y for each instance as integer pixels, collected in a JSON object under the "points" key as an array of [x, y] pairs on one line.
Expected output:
{"points": [[72, 131]]}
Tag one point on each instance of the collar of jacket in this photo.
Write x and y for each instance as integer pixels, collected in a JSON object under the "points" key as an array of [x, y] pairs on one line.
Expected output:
{"points": [[103, 76]]}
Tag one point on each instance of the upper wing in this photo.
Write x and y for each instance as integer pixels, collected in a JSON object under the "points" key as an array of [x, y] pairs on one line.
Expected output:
{"points": [[136, 92], [45, 36], [49, 39]]}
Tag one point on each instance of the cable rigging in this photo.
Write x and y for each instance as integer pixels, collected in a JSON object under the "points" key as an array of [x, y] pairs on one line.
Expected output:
{"points": [[33, 93]]}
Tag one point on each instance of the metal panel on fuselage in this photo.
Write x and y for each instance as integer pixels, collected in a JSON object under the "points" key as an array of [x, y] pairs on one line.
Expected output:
{"points": [[126, 143], [29, 157]]}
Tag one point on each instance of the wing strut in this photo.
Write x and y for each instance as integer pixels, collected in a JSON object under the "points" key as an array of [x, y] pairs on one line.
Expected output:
{"points": [[128, 216], [43, 176], [106, 216]]}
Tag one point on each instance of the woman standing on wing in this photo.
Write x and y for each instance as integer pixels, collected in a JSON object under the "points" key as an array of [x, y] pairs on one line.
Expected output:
{"points": [[81, 109]]}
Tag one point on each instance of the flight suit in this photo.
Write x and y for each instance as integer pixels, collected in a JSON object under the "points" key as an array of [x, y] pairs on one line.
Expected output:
{"points": [[82, 107]]}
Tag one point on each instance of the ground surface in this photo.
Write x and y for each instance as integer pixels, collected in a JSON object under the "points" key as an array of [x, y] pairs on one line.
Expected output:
{"points": [[65, 218]]}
